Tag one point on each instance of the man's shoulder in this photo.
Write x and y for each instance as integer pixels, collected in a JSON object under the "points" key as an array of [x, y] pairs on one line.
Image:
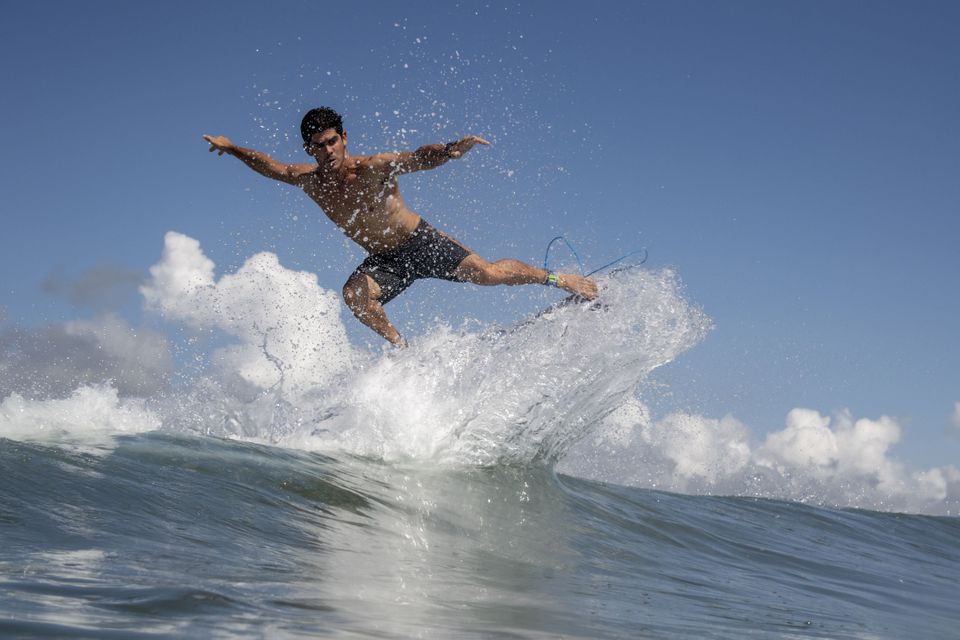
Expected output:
{"points": [[375, 166], [301, 172], [372, 161]]}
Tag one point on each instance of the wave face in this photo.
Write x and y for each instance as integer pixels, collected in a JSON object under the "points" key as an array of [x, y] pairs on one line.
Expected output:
{"points": [[167, 535]]}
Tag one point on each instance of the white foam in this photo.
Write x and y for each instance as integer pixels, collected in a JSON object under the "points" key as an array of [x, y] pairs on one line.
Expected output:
{"points": [[92, 414], [512, 395]]}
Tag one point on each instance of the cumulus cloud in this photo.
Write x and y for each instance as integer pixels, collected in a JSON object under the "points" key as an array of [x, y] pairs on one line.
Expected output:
{"points": [[834, 460], [681, 452], [288, 329], [701, 448], [100, 287], [845, 448], [55, 360]]}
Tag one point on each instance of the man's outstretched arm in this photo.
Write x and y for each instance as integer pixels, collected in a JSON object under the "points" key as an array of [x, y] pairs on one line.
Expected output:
{"points": [[259, 161], [429, 156]]}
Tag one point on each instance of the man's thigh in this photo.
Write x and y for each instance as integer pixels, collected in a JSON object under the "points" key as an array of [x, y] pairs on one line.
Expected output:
{"points": [[473, 269]]}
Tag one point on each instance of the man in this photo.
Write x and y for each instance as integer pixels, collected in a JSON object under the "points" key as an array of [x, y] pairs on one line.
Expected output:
{"points": [[361, 196]]}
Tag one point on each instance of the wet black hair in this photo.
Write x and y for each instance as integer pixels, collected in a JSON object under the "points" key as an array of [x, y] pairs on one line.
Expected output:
{"points": [[320, 119]]}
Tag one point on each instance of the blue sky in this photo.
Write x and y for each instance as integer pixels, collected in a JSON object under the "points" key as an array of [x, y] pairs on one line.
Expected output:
{"points": [[796, 163]]}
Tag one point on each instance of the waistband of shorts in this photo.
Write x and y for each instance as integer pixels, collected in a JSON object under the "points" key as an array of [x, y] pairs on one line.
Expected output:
{"points": [[422, 227]]}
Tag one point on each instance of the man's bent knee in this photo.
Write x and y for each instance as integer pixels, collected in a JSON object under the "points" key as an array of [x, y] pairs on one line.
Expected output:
{"points": [[359, 295]]}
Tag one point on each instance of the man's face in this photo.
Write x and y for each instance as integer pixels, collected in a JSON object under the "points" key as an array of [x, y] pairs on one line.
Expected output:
{"points": [[328, 148]]}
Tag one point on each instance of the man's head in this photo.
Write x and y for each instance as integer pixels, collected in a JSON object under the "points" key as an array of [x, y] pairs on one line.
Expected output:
{"points": [[323, 137], [319, 120]]}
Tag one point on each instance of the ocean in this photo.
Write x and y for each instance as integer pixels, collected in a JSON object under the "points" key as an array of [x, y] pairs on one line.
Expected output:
{"points": [[186, 536], [499, 482]]}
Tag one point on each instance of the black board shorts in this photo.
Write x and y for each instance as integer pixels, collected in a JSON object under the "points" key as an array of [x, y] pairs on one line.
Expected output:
{"points": [[427, 253]]}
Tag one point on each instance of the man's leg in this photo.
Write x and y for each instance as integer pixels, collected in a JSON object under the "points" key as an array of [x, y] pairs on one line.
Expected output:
{"points": [[508, 271], [361, 294]]}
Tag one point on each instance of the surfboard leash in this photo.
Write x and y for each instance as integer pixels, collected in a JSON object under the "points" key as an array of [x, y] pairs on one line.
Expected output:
{"points": [[546, 257]]}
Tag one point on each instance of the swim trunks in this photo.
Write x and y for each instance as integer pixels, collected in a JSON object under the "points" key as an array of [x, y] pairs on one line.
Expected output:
{"points": [[427, 253]]}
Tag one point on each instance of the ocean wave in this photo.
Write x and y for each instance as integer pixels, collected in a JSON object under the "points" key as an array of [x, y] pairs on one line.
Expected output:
{"points": [[179, 535], [561, 387]]}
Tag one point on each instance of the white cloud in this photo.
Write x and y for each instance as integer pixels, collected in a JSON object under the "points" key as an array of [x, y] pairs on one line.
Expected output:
{"points": [[815, 458], [181, 285], [53, 361], [701, 448], [681, 452], [809, 442], [288, 328]]}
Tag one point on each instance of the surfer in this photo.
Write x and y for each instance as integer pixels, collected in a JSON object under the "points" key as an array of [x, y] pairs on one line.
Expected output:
{"points": [[361, 196]]}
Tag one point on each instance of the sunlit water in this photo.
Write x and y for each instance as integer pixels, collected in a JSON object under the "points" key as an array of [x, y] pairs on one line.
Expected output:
{"points": [[186, 536]]}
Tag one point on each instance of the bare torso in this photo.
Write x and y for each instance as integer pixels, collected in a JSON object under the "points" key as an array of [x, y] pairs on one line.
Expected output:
{"points": [[364, 202], [361, 196]]}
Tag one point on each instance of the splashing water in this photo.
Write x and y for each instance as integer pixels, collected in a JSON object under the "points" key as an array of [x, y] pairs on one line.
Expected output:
{"points": [[517, 394], [504, 395]]}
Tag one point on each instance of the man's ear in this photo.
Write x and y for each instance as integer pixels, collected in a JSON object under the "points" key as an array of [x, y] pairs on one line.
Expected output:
{"points": [[344, 136]]}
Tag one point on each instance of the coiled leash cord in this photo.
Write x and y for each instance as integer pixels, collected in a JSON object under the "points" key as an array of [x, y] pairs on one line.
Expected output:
{"points": [[551, 277]]}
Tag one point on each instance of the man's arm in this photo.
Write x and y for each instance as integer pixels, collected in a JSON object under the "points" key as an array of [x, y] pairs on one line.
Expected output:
{"points": [[429, 156], [259, 161]]}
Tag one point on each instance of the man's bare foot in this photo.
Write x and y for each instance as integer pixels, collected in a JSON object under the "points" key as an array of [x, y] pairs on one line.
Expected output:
{"points": [[399, 341], [578, 285]]}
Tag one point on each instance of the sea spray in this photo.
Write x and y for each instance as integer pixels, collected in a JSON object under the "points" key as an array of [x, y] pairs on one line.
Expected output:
{"points": [[513, 394], [90, 415]]}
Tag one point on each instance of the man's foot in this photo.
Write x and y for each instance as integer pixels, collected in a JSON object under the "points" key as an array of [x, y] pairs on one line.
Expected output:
{"points": [[578, 285]]}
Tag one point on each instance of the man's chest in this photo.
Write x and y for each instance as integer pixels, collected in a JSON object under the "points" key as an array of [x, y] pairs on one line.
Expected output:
{"points": [[349, 195]]}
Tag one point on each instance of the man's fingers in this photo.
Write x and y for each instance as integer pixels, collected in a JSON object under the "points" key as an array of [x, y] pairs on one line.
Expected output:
{"points": [[217, 143]]}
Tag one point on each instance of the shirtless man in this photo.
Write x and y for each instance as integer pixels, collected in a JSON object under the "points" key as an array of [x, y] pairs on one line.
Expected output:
{"points": [[361, 196]]}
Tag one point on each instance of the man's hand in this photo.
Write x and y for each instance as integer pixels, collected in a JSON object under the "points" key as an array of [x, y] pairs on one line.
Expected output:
{"points": [[456, 149], [220, 144]]}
